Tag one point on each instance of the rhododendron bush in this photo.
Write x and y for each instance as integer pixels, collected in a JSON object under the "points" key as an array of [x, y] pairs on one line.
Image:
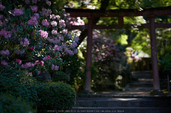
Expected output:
{"points": [[32, 38], [108, 60]]}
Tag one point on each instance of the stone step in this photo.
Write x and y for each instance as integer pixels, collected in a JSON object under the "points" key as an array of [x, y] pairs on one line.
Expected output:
{"points": [[139, 89], [146, 75], [140, 84], [123, 102], [119, 110]]}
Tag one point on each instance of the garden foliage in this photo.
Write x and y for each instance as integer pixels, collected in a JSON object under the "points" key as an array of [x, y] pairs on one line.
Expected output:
{"points": [[55, 96], [11, 104], [33, 41]]}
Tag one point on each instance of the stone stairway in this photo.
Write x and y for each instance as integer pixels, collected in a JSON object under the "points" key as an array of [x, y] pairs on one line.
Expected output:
{"points": [[135, 99]]}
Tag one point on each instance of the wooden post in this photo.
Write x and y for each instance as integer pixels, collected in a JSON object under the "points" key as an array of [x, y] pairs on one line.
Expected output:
{"points": [[88, 56], [156, 82]]}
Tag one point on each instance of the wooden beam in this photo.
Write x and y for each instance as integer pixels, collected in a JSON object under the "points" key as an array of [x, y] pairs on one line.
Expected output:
{"points": [[157, 25]]}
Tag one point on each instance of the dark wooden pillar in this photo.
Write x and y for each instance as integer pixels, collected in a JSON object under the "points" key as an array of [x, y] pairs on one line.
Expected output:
{"points": [[156, 82], [88, 55]]}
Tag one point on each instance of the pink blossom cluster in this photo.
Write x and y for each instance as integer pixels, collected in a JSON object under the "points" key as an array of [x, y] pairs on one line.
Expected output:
{"points": [[43, 34], [47, 57], [25, 42], [54, 23], [5, 52], [78, 21], [45, 23], [36, 15], [56, 48], [6, 34], [33, 21], [54, 67], [4, 63], [18, 12], [54, 32], [64, 31], [73, 45], [1, 23], [2, 7], [19, 61], [48, 2], [53, 16], [34, 8], [46, 12], [70, 52], [62, 23], [60, 37], [27, 65], [37, 62], [76, 39]]}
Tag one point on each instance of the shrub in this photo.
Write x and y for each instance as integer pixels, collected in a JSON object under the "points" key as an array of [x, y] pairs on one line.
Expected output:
{"points": [[18, 83], [55, 96], [11, 104]]}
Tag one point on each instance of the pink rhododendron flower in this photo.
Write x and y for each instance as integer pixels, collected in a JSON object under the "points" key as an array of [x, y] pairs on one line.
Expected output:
{"points": [[25, 42], [46, 12], [1, 23], [4, 63], [56, 48], [32, 65], [76, 39], [71, 53], [34, 8], [36, 62], [63, 46], [48, 2], [19, 61], [73, 45], [43, 34], [1, 16], [58, 17], [31, 48], [62, 24], [36, 15], [54, 32], [33, 21], [26, 65], [65, 31], [54, 23], [18, 12], [52, 16], [42, 63], [5, 52], [54, 67], [2, 7], [45, 23], [47, 58], [5, 33]]}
